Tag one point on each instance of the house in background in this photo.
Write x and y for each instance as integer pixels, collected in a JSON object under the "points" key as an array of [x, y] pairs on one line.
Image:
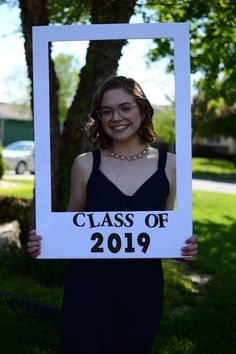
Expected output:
{"points": [[15, 123]]}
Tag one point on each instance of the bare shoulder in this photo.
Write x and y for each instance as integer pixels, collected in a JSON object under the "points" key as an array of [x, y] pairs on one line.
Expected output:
{"points": [[82, 160], [82, 166]]}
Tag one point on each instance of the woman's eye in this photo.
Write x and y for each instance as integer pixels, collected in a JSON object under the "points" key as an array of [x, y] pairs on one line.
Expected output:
{"points": [[106, 112], [126, 109]]}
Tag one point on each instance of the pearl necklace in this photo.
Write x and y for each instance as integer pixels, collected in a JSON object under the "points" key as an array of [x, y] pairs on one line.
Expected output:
{"points": [[129, 158]]}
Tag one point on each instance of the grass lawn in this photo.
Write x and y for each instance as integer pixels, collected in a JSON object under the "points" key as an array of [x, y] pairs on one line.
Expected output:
{"points": [[213, 169], [200, 298], [198, 318], [12, 186], [206, 323]]}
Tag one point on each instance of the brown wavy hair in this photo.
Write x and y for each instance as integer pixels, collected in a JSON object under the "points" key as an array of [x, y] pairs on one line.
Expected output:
{"points": [[94, 128]]}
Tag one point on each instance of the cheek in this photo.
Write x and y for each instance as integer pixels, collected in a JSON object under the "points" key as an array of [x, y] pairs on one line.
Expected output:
{"points": [[137, 122], [106, 129], [105, 126]]}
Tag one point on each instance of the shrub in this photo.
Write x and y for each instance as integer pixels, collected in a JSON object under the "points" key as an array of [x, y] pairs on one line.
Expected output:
{"points": [[19, 209], [2, 164], [49, 272]]}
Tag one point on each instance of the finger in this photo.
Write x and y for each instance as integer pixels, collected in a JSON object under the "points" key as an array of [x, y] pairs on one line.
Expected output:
{"points": [[187, 254], [35, 254], [33, 244], [33, 250], [191, 247], [189, 251], [192, 239], [35, 238]]}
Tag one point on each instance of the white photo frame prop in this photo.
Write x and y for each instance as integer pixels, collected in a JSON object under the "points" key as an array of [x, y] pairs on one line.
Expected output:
{"points": [[152, 234]]}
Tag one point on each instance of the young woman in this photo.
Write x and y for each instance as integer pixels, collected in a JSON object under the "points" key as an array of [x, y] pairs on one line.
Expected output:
{"points": [[115, 305]]}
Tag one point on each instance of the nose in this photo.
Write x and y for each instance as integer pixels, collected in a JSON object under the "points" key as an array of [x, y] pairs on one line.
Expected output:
{"points": [[116, 115]]}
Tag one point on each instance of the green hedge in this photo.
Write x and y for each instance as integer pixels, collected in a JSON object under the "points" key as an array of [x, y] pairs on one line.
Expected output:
{"points": [[19, 209], [49, 272]]}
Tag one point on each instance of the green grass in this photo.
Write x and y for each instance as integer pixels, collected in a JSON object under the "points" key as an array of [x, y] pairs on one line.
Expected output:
{"points": [[14, 187], [24, 332], [221, 170], [208, 325], [197, 319]]}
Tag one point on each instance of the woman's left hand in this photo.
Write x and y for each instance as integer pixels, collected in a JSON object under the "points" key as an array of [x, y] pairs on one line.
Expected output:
{"points": [[189, 251]]}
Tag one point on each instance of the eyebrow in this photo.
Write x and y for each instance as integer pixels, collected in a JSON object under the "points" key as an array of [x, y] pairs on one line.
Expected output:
{"points": [[121, 104]]}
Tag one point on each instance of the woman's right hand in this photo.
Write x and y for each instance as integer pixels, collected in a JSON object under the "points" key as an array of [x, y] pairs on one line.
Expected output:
{"points": [[34, 244]]}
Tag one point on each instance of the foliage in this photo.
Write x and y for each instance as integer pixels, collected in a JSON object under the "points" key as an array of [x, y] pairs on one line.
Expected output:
{"points": [[222, 121], [213, 39], [69, 12], [66, 66], [2, 164], [18, 263], [16, 209], [213, 117], [164, 122]]}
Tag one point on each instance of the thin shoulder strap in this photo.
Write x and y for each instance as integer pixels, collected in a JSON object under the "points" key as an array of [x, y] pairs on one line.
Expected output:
{"points": [[162, 160], [96, 159]]}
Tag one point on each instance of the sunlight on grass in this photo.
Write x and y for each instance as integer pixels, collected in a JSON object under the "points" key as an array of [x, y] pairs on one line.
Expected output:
{"points": [[213, 169], [212, 165], [17, 187], [205, 321]]}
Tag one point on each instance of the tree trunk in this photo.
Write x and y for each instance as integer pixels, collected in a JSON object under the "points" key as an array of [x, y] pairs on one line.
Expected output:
{"points": [[101, 61], [35, 13]]}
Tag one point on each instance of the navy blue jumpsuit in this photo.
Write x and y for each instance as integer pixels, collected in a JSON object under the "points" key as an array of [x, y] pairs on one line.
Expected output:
{"points": [[114, 306]]}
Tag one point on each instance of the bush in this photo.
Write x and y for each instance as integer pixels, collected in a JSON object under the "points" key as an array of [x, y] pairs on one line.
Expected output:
{"points": [[19, 209], [49, 272], [2, 164]]}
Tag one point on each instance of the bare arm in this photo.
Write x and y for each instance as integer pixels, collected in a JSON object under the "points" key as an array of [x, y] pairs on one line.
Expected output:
{"points": [[80, 173]]}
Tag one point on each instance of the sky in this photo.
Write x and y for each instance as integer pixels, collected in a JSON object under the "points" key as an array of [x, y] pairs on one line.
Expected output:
{"points": [[155, 82]]}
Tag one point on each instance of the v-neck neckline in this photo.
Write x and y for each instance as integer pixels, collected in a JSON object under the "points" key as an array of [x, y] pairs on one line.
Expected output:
{"points": [[120, 191]]}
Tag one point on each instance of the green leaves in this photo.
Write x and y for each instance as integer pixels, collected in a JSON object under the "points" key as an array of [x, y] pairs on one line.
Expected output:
{"points": [[213, 37]]}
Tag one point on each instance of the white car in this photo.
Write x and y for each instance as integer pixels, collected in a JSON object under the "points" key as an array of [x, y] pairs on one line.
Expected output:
{"points": [[19, 156]]}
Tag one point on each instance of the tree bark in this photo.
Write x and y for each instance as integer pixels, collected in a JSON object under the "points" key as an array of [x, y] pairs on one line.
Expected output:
{"points": [[35, 13], [101, 61]]}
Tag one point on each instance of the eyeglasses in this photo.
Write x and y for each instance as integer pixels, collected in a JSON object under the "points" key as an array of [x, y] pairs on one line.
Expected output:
{"points": [[125, 111]]}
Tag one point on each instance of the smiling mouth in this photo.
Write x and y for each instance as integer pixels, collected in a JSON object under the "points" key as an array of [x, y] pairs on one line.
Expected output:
{"points": [[120, 127]]}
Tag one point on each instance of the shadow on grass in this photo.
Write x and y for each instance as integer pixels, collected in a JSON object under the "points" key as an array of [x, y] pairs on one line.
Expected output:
{"points": [[23, 332], [214, 176], [209, 326]]}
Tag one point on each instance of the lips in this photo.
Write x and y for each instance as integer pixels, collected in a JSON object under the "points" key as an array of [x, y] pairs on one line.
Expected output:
{"points": [[120, 127]]}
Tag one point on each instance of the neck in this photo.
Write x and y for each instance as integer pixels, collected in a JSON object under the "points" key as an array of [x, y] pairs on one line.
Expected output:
{"points": [[127, 148]]}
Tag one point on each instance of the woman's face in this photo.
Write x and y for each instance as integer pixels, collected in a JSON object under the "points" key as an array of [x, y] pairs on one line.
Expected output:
{"points": [[120, 115]]}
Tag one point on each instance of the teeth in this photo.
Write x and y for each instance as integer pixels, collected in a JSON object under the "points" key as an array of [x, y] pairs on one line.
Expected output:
{"points": [[120, 127]]}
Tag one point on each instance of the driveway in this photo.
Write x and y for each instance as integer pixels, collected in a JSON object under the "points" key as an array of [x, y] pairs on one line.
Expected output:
{"points": [[13, 175], [213, 186]]}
